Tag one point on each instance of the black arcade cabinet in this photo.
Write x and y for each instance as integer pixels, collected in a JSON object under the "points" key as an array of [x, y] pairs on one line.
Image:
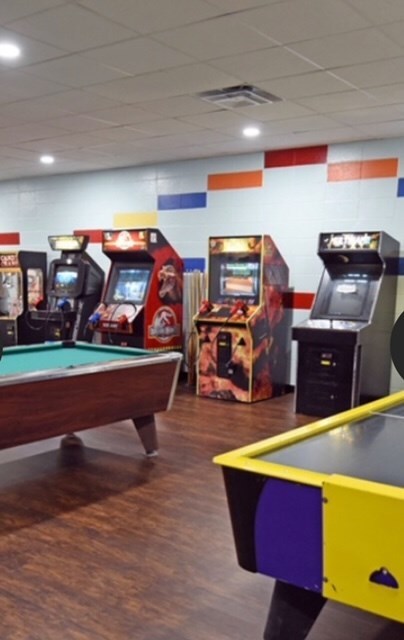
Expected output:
{"points": [[75, 283], [22, 289], [343, 348]]}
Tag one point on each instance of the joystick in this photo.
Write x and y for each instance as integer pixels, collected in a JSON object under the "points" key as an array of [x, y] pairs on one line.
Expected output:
{"points": [[206, 307]]}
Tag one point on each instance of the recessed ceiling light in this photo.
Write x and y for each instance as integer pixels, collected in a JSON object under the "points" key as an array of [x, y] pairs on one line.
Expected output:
{"points": [[9, 51], [47, 159], [251, 132]]}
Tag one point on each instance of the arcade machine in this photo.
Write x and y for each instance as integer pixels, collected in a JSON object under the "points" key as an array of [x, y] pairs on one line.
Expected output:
{"points": [[22, 289], [74, 287], [142, 303], [343, 348], [242, 327]]}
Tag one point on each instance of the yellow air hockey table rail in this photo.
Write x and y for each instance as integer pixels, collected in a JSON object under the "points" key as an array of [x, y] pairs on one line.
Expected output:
{"points": [[321, 509]]}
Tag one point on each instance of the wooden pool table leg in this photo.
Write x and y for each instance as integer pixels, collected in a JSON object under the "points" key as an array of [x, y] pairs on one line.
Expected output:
{"points": [[292, 612], [146, 428]]}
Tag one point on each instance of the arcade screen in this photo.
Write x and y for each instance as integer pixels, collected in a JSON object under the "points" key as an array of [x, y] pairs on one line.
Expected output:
{"points": [[65, 279], [130, 284], [347, 298], [239, 279]]}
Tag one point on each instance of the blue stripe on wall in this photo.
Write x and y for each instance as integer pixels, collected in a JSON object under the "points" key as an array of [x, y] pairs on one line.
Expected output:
{"points": [[194, 264], [400, 188], [182, 201], [401, 266]]}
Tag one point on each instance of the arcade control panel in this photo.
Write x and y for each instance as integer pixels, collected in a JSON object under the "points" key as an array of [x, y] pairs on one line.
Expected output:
{"points": [[238, 312]]}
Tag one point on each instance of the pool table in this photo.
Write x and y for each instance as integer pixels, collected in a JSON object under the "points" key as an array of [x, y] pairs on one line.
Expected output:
{"points": [[321, 509], [59, 388]]}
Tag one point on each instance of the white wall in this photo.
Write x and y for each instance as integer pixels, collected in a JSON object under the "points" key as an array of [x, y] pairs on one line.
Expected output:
{"points": [[294, 205]]}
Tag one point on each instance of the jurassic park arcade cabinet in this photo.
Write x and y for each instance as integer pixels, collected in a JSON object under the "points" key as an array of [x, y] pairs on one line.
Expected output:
{"points": [[242, 329], [22, 289], [142, 302]]}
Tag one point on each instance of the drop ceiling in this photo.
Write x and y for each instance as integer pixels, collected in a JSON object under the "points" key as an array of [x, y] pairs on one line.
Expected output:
{"points": [[110, 83]]}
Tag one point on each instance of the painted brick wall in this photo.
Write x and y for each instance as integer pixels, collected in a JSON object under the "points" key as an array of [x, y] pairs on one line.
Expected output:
{"points": [[291, 195]]}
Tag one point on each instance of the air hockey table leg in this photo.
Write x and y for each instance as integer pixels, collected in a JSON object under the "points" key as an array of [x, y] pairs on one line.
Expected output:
{"points": [[292, 612]]}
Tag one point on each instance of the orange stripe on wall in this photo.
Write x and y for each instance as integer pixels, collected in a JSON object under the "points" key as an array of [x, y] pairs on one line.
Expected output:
{"points": [[240, 180], [344, 171], [387, 168], [95, 234], [365, 170], [10, 238]]}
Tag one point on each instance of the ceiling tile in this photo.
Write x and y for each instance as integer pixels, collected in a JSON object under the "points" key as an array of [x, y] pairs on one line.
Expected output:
{"points": [[75, 70], [297, 20], [388, 11], [75, 101], [22, 85], [139, 55], [182, 140], [383, 129], [338, 101], [27, 111], [27, 132], [32, 51], [161, 84], [350, 48], [394, 31], [275, 111], [166, 127], [146, 16], [223, 36], [14, 9], [373, 74], [239, 5], [276, 62], [389, 94], [179, 106], [219, 119], [77, 123], [364, 116], [71, 27], [307, 123], [125, 115], [58, 143], [306, 84]]}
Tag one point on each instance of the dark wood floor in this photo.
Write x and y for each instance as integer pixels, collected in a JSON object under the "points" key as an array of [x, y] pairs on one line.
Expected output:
{"points": [[100, 543]]}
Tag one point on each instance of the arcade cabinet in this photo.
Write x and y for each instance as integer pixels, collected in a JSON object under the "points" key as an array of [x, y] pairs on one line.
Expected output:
{"points": [[142, 303], [74, 287], [22, 289], [343, 348], [242, 327]]}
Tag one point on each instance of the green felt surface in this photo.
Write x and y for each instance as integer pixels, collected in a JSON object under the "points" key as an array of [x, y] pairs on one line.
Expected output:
{"points": [[22, 360]]}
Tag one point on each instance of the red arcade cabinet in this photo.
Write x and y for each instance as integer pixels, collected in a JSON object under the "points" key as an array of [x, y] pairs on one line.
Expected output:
{"points": [[242, 327], [142, 303]]}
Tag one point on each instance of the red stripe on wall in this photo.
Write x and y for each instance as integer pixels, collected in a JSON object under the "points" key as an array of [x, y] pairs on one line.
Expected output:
{"points": [[296, 157], [297, 300], [95, 234], [10, 238]]}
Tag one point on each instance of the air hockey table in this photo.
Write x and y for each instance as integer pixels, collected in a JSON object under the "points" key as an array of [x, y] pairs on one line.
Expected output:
{"points": [[321, 509]]}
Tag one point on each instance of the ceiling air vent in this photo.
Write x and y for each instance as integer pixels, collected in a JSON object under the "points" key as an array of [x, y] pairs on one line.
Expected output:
{"points": [[241, 96]]}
